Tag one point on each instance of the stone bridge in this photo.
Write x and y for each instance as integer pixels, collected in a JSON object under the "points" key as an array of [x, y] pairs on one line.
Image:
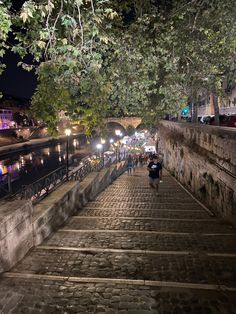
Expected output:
{"points": [[125, 122]]}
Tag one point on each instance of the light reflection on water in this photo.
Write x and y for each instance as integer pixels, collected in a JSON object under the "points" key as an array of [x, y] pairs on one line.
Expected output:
{"points": [[29, 167]]}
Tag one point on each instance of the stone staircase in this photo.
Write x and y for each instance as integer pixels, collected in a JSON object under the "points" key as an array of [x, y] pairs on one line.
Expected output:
{"points": [[130, 251]]}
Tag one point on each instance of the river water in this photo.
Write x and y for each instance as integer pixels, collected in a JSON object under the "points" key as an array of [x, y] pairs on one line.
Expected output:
{"points": [[28, 166]]}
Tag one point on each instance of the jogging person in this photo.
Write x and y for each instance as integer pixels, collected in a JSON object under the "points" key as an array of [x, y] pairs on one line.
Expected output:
{"points": [[155, 173]]}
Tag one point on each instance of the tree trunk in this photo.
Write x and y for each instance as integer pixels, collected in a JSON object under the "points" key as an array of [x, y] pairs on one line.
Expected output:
{"points": [[179, 116], [216, 106], [194, 111]]}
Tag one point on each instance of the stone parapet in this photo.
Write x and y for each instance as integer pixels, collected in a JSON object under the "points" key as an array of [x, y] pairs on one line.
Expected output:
{"points": [[203, 158], [23, 225], [16, 232]]}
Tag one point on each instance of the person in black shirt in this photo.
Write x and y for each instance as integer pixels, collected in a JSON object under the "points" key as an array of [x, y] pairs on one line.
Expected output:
{"points": [[155, 172]]}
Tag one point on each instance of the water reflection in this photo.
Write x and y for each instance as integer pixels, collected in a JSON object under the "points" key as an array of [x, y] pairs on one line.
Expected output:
{"points": [[29, 167]]}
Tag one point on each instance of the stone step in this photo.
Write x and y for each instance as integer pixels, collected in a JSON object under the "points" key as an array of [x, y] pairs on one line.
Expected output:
{"points": [[161, 213], [143, 184], [168, 225], [188, 268], [144, 205], [144, 241], [135, 192], [154, 198], [146, 200], [57, 295]]}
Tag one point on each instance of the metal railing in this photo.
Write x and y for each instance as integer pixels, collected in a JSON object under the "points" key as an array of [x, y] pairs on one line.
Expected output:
{"points": [[42, 187], [84, 170]]}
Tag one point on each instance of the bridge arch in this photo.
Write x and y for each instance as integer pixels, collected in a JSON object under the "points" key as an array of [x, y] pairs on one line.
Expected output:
{"points": [[126, 121], [112, 126], [141, 127]]}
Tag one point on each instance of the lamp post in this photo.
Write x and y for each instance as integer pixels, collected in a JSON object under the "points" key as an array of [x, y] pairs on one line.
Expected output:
{"points": [[120, 134], [68, 133], [103, 141], [117, 132]]}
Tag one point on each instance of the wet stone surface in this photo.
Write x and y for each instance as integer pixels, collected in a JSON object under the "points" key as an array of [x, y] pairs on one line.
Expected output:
{"points": [[160, 225], [142, 205], [129, 251], [162, 267], [142, 213], [142, 241], [45, 296]]}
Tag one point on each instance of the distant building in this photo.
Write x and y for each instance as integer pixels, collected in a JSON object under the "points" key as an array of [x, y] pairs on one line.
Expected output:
{"points": [[10, 107], [6, 119], [227, 104]]}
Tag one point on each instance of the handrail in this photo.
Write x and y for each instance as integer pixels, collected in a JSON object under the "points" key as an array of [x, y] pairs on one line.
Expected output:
{"points": [[225, 170], [42, 187], [84, 170]]}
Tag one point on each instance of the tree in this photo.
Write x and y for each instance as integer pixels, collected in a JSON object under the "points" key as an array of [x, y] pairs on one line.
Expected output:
{"points": [[170, 53], [205, 45], [5, 27]]}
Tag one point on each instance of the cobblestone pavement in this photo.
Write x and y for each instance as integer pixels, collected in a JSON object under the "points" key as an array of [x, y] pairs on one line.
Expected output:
{"points": [[130, 251]]}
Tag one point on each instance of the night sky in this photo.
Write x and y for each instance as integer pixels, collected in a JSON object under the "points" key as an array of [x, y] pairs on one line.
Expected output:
{"points": [[15, 81]]}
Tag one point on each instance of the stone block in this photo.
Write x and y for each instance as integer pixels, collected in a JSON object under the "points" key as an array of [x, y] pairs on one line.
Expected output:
{"points": [[16, 233]]}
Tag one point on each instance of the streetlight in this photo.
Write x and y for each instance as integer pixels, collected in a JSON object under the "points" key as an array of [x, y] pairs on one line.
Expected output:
{"points": [[120, 134], [117, 132], [67, 133]]}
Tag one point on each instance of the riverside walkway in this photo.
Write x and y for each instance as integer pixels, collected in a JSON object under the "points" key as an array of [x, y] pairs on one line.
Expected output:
{"points": [[130, 251]]}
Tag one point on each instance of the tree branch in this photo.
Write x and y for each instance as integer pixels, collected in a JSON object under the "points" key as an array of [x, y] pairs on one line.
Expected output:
{"points": [[81, 25]]}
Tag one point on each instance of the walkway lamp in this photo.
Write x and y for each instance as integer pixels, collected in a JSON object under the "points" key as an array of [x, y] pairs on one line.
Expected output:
{"points": [[117, 132], [67, 133], [99, 148]]}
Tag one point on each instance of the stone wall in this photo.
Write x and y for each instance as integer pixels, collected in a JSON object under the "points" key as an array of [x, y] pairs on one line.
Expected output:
{"points": [[203, 158], [23, 225], [16, 232]]}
